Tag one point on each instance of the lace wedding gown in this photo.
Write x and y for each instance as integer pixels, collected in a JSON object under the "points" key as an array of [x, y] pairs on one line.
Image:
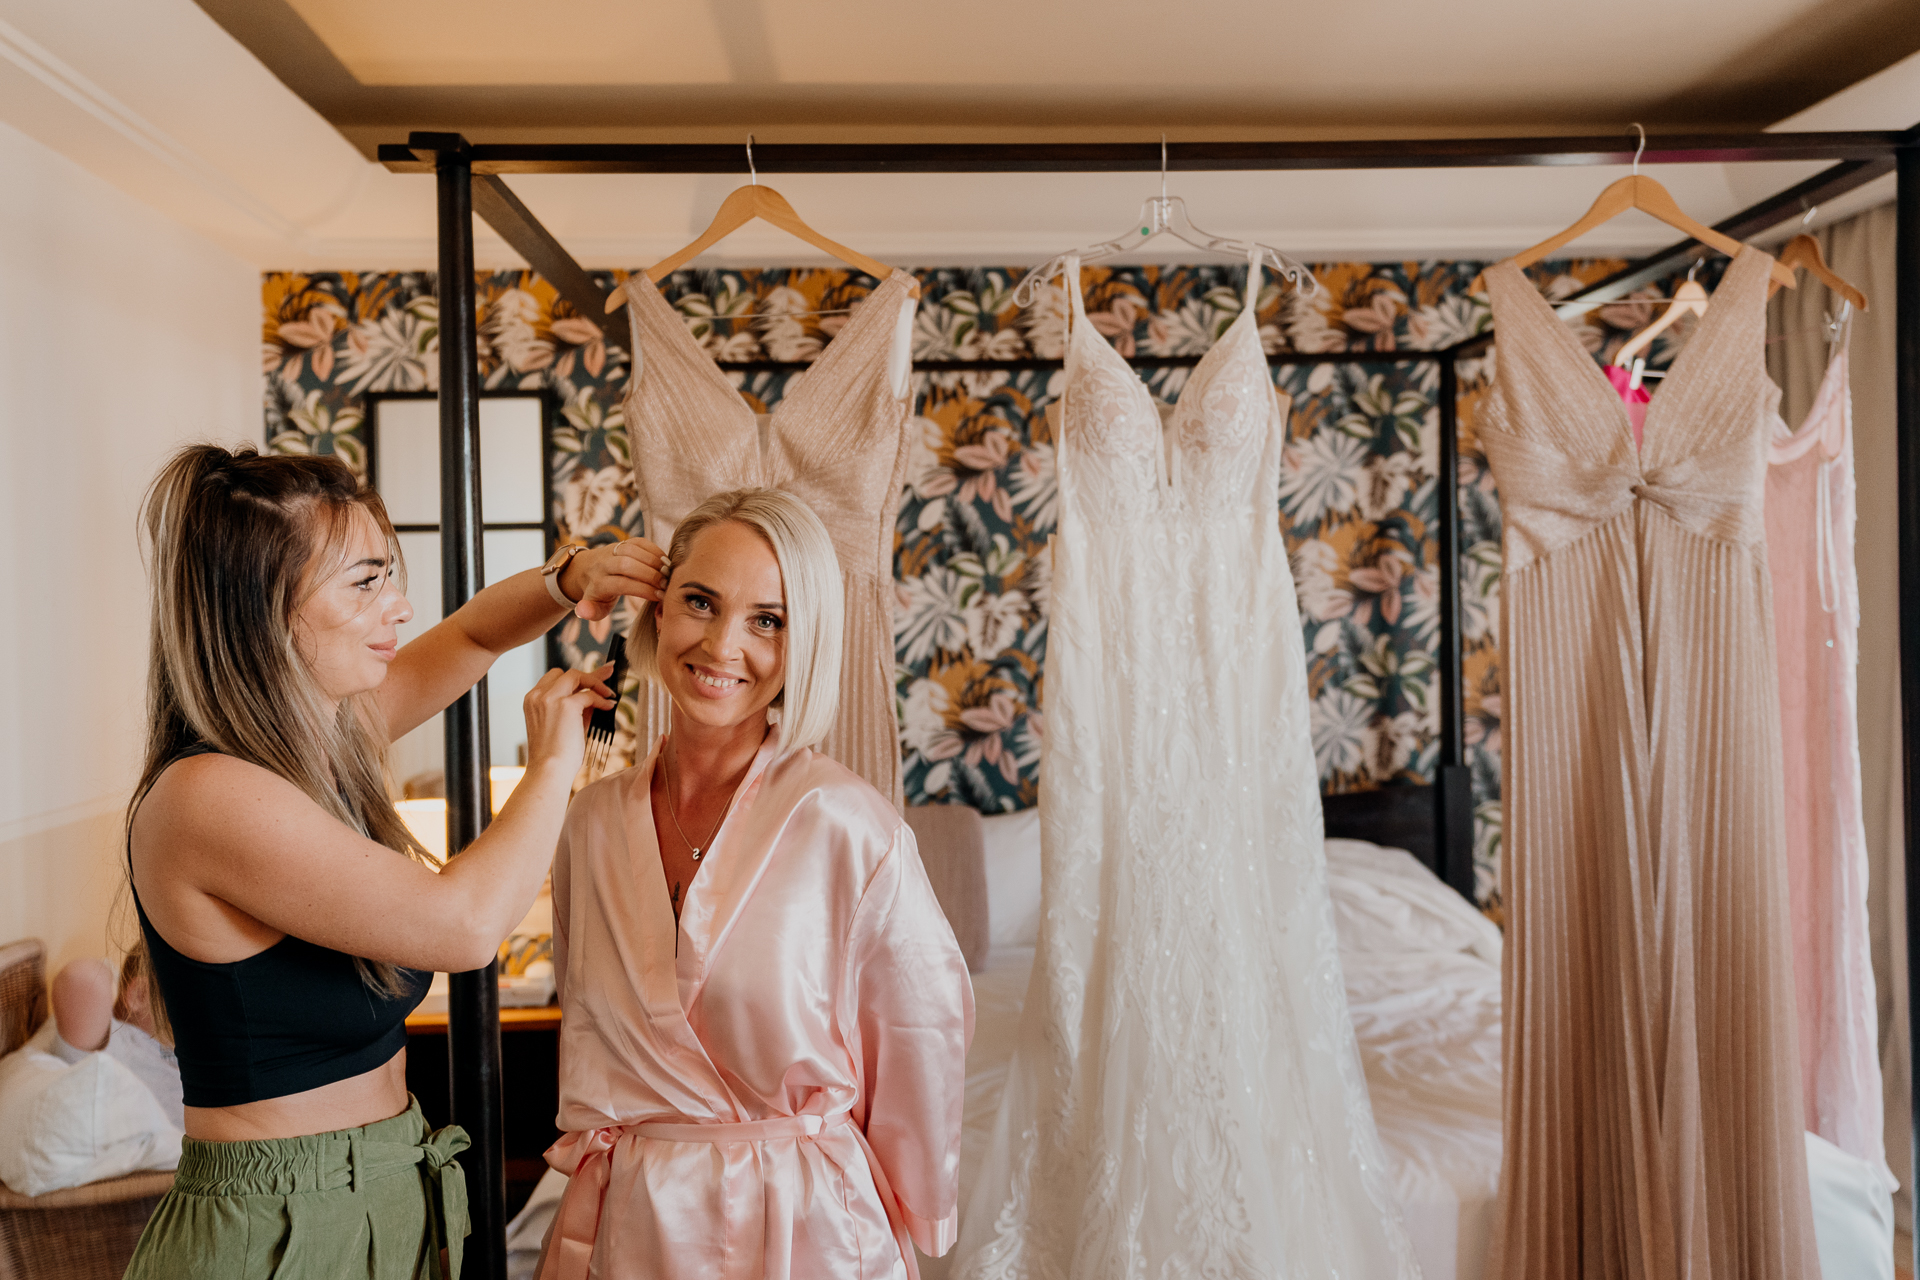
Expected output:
{"points": [[1187, 1098]]}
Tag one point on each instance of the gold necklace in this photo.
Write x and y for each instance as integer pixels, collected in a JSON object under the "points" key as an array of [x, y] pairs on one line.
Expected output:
{"points": [[699, 850]]}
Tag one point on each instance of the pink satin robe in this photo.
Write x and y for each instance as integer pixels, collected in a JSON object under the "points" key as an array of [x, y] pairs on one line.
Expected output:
{"points": [[774, 1088]]}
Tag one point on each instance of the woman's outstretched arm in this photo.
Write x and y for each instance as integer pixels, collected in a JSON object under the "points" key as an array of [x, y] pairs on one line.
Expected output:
{"points": [[434, 669], [218, 836]]}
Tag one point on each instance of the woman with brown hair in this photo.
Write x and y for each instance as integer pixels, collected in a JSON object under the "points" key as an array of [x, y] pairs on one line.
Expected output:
{"points": [[290, 919]]}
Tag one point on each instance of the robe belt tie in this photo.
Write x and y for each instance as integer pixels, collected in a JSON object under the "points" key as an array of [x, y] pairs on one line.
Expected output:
{"points": [[586, 1157], [742, 1131]]}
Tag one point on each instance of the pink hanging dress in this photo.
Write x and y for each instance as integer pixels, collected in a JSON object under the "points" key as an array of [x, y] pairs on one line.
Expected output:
{"points": [[1816, 610]]}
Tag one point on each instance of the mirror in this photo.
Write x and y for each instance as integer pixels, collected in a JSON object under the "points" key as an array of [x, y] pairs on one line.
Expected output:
{"points": [[403, 452]]}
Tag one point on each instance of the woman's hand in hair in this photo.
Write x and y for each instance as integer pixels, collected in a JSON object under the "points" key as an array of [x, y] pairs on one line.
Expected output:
{"points": [[598, 578], [557, 709]]}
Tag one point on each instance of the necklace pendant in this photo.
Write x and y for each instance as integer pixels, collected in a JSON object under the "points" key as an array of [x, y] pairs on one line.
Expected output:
{"points": [[696, 855]]}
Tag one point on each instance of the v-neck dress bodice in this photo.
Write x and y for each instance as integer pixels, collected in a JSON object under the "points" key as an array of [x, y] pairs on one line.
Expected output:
{"points": [[1652, 1098], [769, 1088], [838, 441], [1186, 1097], [1214, 458]]}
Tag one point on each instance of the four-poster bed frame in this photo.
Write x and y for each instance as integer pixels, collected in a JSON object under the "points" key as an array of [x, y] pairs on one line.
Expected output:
{"points": [[1434, 821]]}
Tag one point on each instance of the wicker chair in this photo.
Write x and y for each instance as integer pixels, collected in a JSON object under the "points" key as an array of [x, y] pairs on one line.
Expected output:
{"points": [[82, 1233]]}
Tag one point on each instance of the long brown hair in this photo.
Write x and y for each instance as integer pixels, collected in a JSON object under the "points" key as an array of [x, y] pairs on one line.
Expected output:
{"points": [[236, 542]]}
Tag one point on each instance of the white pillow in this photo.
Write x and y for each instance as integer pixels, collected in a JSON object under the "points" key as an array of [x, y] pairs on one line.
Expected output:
{"points": [[1013, 877], [64, 1125], [1852, 1214]]}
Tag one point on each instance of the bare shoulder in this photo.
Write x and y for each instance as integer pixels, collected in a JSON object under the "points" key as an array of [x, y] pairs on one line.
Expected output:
{"points": [[211, 789], [204, 807]]}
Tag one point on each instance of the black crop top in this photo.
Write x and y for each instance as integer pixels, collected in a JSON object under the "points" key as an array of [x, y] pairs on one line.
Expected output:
{"points": [[293, 1017]]}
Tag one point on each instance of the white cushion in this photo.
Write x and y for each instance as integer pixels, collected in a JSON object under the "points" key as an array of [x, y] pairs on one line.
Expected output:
{"points": [[1852, 1214], [64, 1125], [1013, 877]]}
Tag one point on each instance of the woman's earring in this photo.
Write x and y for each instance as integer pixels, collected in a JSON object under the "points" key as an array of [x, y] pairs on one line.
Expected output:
{"points": [[773, 715]]}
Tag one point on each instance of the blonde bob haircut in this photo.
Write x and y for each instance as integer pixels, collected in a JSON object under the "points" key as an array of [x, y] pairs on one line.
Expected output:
{"points": [[809, 697]]}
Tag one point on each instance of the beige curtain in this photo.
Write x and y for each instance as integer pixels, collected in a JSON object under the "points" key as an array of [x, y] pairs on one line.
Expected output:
{"points": [[1861, 250]]}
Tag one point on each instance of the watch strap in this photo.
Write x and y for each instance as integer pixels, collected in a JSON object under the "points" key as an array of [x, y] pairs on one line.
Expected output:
{"points": [[551, 571]]}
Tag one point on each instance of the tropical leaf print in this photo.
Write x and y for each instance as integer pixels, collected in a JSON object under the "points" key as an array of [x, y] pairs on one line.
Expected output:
{"points": [[1358, 499]]}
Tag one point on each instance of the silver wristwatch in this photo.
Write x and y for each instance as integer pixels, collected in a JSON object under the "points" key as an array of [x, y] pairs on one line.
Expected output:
{"points": [[550, 573]]}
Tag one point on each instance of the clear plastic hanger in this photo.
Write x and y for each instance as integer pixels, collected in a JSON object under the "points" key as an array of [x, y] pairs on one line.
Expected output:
{"points": [[1165, 215]]}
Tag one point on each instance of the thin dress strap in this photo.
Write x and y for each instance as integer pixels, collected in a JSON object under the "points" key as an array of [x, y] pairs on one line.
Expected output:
{"points": [[1076, 319], [1253, 280], [1078, 313]]}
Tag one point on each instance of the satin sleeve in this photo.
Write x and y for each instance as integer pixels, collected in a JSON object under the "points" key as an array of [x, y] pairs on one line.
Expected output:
{"points": [[914, 1007]]}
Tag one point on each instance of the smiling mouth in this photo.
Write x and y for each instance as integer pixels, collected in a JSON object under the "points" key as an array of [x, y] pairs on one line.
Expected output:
{"points": [[721, 683]]}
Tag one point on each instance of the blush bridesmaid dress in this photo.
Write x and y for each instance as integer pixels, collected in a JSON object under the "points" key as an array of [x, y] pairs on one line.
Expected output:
{"points": [[1653, 1118]]}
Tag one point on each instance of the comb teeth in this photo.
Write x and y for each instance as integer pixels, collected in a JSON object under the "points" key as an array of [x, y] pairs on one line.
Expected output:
{"points": [[604, 724]]}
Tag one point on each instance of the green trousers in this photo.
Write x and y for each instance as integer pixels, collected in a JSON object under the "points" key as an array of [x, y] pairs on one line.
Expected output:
{"points": [[378, 1202]]}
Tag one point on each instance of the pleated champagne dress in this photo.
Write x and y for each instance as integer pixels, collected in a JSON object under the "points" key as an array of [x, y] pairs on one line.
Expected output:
{"points": [[1652, 1093], [1816, 600], [838, 441]]}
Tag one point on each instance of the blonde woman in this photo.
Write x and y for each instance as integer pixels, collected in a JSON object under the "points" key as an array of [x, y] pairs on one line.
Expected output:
{"points": [[767, 1016], [290, 920]]}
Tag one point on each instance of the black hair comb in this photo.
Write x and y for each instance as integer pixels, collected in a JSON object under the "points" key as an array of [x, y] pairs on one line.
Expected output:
{"points": [[605, 721]]}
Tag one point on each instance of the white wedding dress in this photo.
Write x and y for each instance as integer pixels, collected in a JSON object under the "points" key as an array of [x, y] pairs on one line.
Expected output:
{"points": [[1187, 1099]]}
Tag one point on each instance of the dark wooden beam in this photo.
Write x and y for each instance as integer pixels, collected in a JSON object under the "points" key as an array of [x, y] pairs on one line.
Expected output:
{"points": [[1906, 356], [496, 204], [473, 999], [416, 155]]}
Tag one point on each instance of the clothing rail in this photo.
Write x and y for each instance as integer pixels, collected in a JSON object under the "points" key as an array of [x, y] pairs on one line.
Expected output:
{"points": [[417, 154], [469, 182]]}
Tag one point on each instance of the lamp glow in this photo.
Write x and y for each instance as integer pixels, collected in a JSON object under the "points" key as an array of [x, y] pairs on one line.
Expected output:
{"points": [[427, 819], [504, 777]]}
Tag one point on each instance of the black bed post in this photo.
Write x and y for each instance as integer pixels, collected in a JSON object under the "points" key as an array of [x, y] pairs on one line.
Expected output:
{"points": [[1453, 781], [1907, 423], [473, 1007]]}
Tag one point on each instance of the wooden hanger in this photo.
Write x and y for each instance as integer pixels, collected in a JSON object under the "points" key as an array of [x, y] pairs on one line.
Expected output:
{"points": [[1636, 191], [1688, 298], [1804, 251], [743, 206]]}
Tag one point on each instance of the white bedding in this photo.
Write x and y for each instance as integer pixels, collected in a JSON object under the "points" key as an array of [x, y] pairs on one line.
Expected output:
{"points": [[1423, 983]]}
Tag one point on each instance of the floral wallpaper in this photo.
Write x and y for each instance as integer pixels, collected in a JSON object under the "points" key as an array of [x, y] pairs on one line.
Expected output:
{"points": [[1358, 499]]}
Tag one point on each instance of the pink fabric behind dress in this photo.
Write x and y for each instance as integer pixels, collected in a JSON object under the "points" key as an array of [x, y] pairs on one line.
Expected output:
{"points": [[1635, 398], [771, 1091], [1816, 610]]}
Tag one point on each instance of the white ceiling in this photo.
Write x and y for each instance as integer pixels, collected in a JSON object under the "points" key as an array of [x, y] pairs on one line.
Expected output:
{"points": [[155, 97], [1383, 58], [1002, 68]]}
